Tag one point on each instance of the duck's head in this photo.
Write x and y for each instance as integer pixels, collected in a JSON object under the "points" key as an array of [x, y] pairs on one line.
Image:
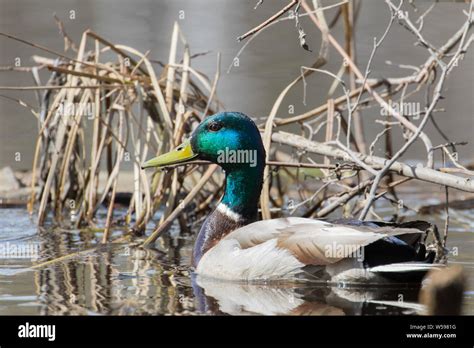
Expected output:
{"points": [[229, 139]]}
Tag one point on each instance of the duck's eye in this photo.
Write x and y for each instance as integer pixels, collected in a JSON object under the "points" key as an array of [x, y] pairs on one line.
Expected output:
{"points": [[214, 126]]}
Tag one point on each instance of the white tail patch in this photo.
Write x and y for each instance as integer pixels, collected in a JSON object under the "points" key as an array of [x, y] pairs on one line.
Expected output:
{"points": [[406, 267]]}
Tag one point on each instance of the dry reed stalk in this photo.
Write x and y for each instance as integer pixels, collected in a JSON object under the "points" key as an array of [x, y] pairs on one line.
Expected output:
{"points": [[66, 170], [181, 207]]}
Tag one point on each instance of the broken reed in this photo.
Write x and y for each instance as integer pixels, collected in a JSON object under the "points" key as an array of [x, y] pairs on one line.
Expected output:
{"points": [[133, 112]]}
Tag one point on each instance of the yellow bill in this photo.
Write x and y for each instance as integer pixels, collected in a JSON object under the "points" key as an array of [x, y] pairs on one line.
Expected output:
{"points": [[180, 154]]}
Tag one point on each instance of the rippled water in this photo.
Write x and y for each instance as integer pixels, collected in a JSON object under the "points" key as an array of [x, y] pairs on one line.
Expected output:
{"points": [[125, 279]]}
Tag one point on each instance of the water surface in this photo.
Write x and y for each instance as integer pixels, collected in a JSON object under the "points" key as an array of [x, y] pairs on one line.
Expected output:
{"points": [[126, 279]]}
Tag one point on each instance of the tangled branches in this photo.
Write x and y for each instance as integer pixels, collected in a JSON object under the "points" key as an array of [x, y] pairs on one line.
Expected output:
{"points": [[360, 92]]}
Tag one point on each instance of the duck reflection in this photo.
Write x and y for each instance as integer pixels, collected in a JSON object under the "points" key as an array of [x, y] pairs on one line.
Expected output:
{"points": [[214, 297]]}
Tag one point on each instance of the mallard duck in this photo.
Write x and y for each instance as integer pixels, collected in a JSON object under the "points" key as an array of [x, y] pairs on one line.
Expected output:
{"points": [[233, 245]]}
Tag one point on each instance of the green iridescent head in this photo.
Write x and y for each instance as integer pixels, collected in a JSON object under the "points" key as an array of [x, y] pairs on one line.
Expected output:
{"points": [[229, 139]]}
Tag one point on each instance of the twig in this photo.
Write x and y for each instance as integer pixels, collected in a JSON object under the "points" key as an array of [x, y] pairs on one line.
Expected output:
{"points": [[214, 84], [343, 199], [375, 95], [323, 50], [268, 21], [157, 232], [436, 97], [416, 172]]}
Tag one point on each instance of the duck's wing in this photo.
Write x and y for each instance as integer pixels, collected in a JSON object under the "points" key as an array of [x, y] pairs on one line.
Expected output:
{"points": [[315, 242]]}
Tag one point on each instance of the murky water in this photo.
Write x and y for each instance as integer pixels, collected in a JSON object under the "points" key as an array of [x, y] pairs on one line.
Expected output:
{"points": [[125, 279]]}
